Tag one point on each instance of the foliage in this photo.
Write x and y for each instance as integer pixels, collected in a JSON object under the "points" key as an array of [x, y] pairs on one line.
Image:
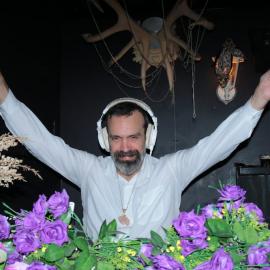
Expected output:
{"points": [[230, 234], [10, 167]]}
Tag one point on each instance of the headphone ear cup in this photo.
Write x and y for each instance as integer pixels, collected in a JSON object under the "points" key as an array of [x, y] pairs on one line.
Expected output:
{"points": [[148, 136], [105, 139]]}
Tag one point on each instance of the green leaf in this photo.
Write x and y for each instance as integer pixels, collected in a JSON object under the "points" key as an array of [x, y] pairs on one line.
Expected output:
{"points": [[247, 235], [69, 249], [219, 228], [65, 264], [156, 251], [237, 258], [157, 240], [105, 266], [146, 260], [112, 226], [54, 253], [213, 243], [81, 243], [103, 230], [85, 261]]}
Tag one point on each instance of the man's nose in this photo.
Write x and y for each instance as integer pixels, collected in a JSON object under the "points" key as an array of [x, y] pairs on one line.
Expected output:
{"points": [[124, 145]]}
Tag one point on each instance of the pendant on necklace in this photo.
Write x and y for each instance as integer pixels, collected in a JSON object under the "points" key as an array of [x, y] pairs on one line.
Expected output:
{"points": [[123, 219]]}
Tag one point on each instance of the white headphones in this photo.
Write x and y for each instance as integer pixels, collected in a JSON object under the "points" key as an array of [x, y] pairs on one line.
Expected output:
{"points": [[151, 132]]}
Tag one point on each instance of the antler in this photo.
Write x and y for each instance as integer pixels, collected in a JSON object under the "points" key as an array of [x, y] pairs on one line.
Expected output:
{"points": [[181, 8], [124, 23]]}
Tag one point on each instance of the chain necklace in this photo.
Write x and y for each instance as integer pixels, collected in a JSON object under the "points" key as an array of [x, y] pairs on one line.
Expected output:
{"points": [[123, 218]]}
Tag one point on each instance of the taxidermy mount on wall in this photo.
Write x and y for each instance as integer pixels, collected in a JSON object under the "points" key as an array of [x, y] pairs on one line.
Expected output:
{"points": [[155, 42]]}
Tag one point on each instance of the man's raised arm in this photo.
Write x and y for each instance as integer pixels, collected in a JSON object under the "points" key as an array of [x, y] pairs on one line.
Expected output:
{"points": [[3, 88]]}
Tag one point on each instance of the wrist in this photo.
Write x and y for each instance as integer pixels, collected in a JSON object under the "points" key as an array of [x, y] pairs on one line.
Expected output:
{"points": [[258, 103]]}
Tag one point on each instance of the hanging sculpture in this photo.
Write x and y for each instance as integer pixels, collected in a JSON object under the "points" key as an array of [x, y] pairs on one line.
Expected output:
{"points": [[226, 68], [154, 42]]}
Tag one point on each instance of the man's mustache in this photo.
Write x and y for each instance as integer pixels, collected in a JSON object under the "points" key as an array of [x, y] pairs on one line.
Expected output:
{"points": [[130, 153]]}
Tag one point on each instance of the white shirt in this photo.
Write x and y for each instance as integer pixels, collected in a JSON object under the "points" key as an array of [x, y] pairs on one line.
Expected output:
{"points": [[156, 191]]}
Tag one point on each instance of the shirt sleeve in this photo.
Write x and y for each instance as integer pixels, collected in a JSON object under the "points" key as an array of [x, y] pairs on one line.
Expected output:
{"points": [[189, 163], [50, 149]]}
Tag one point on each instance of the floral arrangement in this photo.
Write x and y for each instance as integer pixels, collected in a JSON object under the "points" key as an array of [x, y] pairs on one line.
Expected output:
{"points": [[10, 167], [230, 234]]}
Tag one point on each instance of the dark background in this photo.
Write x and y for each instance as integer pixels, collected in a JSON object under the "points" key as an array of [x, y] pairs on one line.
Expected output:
{"points": [[61, 78]]}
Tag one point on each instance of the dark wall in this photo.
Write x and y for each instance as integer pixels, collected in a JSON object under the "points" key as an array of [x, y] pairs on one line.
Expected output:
{"points": [[29, 59]]}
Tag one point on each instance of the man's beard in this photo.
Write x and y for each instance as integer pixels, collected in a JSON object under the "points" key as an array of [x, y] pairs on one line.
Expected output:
{"points": [[128, 167]]}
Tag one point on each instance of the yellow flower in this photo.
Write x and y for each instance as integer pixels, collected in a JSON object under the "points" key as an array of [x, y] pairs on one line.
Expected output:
{"points": [[131, 252], [126, 259], [119, 249], [43, 249], [172, 249], [181, 258]]}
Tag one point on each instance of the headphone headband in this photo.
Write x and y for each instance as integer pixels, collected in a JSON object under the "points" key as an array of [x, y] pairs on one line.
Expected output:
{"points": [[151, 133]]}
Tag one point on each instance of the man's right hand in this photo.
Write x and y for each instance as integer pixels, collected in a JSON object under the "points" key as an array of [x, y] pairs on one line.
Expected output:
{"points": [[3, 88]]}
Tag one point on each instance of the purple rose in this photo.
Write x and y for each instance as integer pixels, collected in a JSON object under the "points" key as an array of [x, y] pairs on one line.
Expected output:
{"points": [[146, 250], [211, 211], [231, 193], [17, 266], [189, 246], [26, 241], [253, 208], [4, 227], [188, 224], [221, 260], [258, 255], [31, 221], [165, 262], [54, 232], [58, 203], [14, 257], [40, 266], [40, 206]]}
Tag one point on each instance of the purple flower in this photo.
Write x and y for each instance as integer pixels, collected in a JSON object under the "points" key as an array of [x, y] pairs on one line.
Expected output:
{"points": [[189, 246], [54, 232], [30, 221], [17, 266], [221, 260], [165, 262], [14, 257], [258, 255], [4, 227], [26, 241], [253, 208], [231, 193], [211, 211], [146, 250], [40, 206], [58, 203], [40, 266], [188, 224]]}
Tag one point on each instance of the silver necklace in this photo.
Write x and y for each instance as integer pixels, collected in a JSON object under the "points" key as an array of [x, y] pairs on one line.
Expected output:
{"points": [[123, 218]]}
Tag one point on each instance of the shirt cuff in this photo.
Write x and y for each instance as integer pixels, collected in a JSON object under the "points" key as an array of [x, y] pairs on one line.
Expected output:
{"points": [[9, 104], [249, 110]]}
